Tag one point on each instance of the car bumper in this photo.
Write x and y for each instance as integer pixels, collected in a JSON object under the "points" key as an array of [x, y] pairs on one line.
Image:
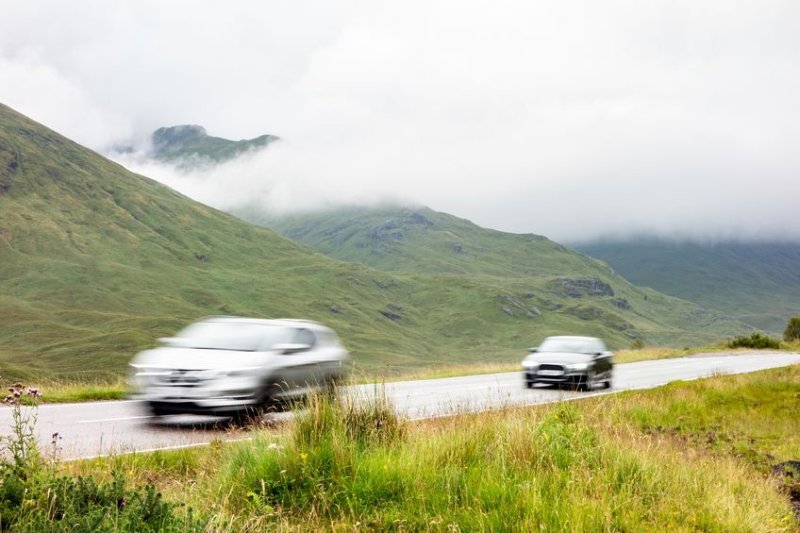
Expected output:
{"points": [[569, 377], [183, 407], [179, 400]]}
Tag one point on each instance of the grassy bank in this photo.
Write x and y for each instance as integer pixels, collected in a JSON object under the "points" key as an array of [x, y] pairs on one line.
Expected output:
{"points": [[69, 391], [689, 456]]}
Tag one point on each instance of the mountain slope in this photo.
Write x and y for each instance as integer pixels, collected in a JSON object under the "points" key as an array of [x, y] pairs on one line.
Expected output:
{"points": [[538, 279], [422, 240], [758, 283], [97, 262]]}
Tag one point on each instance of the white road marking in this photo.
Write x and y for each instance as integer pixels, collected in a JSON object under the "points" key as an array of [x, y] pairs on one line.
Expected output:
{"points": [[113, 419]]}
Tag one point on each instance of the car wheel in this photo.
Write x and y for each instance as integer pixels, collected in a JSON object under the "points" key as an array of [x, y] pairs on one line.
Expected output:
{"points": [[250, 415], [588, 382], [330, 388], [529, 384], [155, 411], [607, 383], [271, 399]]}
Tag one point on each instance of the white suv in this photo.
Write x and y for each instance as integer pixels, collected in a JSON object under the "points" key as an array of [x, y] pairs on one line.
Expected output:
{"points": [[231, 366]]}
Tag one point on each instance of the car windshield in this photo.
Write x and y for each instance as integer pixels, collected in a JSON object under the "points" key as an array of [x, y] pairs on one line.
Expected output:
{"points": [[224, 335], [566, 345]]}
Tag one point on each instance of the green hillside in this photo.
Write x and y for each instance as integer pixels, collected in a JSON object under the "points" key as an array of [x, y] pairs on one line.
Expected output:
{"points": [[96, 262], [421, 240], [537, 279], [757, 282], [190, 145]]}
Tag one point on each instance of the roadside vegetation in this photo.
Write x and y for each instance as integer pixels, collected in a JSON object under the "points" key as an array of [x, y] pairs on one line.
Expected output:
{"points": [[35, 495], [90, 391], [758, 341], [792, 331], [712, 454]]}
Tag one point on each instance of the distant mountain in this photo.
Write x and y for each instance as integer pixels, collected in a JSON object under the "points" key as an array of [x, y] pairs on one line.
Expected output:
{"points": [[756, 282], [535, 278], [190, 146], [96, 262]]}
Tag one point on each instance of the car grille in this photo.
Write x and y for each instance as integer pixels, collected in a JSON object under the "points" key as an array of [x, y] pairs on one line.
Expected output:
{"points": [[551, 367], [182, 378]]}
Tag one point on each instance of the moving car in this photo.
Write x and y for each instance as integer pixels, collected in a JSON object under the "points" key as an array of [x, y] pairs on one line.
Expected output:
{"points": [[582, 362], [232, 366]]}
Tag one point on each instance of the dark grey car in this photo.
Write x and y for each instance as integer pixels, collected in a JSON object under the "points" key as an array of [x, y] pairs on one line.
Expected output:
{"points": [[582, 362]]}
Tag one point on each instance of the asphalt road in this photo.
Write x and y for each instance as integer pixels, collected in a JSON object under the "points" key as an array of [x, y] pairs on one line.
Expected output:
{"points": [[105, 428]]}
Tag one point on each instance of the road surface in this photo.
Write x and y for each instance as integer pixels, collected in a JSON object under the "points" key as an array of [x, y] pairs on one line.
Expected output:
{"points": [[105, 428]]}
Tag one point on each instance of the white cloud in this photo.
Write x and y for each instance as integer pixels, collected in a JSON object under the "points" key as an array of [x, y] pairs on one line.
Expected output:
{"points": [[570, 119]]}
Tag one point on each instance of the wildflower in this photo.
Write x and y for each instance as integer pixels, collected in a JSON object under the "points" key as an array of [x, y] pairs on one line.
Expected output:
{"points": [[32, 391], [303, 456]]}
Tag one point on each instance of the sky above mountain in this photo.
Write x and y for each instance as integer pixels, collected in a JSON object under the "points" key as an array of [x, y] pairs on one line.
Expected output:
{"points": [[572, 119]]}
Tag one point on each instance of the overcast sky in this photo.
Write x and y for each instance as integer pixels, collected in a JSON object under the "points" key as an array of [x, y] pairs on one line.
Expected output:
{"points": [[569, 118]]}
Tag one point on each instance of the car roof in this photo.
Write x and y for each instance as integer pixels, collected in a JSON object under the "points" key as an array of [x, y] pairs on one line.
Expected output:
{"points": [[574, 338], [287, 322]]}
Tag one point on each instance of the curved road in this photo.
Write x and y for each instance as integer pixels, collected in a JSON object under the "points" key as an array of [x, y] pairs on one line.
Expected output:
{"points": [[105, 428]]}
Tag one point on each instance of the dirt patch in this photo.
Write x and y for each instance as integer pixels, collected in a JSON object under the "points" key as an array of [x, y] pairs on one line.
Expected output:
{"points": [[789, 471]]}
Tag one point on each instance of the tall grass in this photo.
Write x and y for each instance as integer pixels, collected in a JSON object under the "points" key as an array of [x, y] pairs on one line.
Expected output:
{"points": [[553, 468], [688, 456]]}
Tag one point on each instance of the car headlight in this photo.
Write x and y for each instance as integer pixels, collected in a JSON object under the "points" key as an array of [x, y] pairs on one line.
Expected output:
{"points": [[530, 364], [578, 366]]}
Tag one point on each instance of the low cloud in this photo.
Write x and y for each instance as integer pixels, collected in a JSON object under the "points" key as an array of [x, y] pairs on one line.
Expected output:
{"points": [[572, 120]]}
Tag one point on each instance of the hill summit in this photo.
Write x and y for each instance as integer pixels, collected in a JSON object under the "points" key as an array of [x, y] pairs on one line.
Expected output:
{"points": [[190, 145]]}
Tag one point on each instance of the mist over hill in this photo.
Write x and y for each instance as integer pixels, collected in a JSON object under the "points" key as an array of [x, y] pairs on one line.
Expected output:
{"points": [[96, 262]]}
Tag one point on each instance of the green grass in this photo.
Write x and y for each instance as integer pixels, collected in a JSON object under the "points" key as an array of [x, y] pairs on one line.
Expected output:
{"points": [[96, 263], [72, 391], [688, 456]]}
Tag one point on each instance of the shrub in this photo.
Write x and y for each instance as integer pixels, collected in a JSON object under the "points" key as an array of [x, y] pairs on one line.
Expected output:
{"points": [[65, 503], [792, 331], [756, 340], [34, 498]]}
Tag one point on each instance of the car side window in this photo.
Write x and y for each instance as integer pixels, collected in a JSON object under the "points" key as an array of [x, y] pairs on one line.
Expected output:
{"points": [[304, 336]]}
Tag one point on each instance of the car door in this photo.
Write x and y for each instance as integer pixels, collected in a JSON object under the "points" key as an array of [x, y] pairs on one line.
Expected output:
{"points": [[603, 358], [299, 366]]}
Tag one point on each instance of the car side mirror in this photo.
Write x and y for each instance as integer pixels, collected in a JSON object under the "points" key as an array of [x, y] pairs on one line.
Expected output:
{"points": [[287, 348], [533, 349]]}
